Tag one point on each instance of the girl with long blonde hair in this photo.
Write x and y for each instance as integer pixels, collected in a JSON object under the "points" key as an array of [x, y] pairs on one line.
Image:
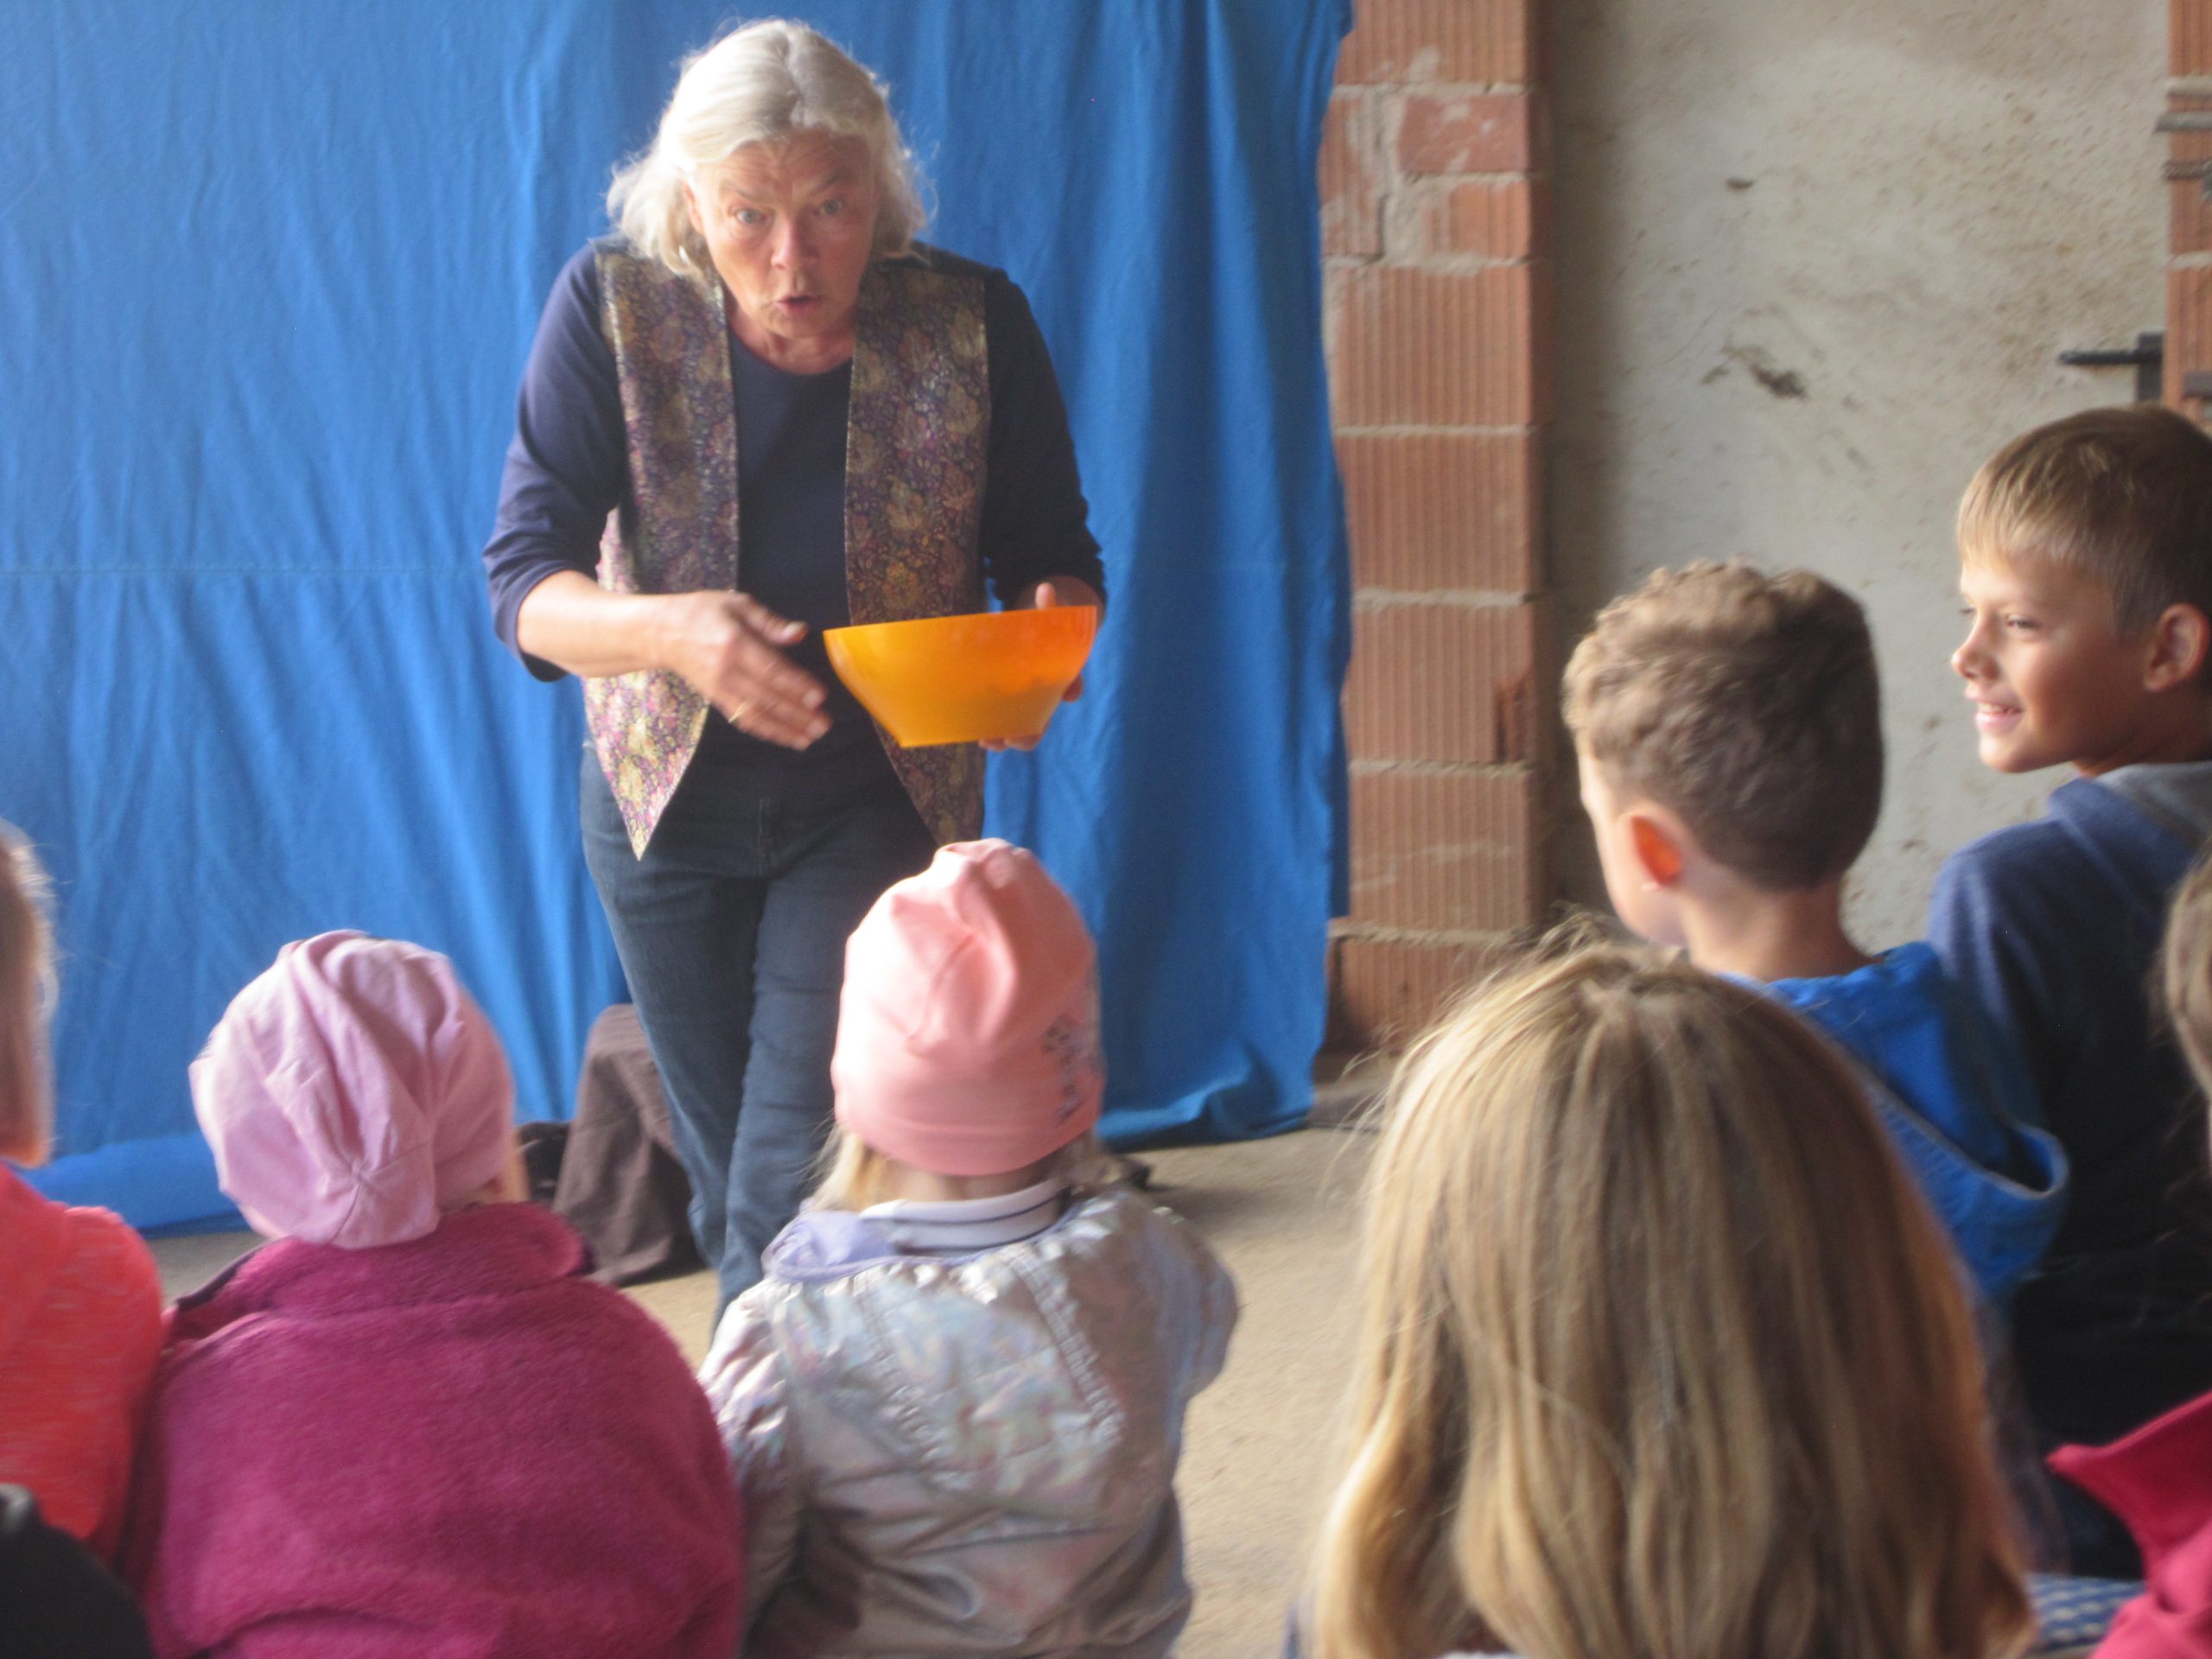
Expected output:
{"points": [[1664, 1357]]}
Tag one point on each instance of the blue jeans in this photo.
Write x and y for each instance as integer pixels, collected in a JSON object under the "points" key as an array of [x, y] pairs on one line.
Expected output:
{"points": [[732, 933]]}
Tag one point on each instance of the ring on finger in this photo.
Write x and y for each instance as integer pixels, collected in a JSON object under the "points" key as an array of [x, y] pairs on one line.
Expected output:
{"points": [[737, 714]]}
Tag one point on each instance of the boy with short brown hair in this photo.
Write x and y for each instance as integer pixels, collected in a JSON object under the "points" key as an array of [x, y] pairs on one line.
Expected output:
{"points": [[1748, 704], [2085, 555], [1728, 727]]}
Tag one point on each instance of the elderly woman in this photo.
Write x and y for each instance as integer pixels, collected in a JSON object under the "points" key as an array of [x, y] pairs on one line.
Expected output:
{"points": [[760, 411]]}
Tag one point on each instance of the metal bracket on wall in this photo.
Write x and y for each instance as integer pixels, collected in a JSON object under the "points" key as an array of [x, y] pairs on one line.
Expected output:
{"points": [[2147, 357]]}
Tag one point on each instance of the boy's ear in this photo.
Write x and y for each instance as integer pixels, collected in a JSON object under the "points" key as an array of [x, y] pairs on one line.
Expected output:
{"points": [[2179, 639], [1658, 854]]}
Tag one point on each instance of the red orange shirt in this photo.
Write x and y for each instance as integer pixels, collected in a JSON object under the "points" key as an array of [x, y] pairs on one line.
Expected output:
{"points": [[80, 1328]]}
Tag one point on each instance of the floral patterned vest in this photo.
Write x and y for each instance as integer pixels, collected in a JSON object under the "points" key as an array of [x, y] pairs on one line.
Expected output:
{"points": [[915, 445]]}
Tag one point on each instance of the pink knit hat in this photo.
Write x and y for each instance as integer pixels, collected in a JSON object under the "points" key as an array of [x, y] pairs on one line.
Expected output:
{"points": [[353, 1093], [968, 1037]]}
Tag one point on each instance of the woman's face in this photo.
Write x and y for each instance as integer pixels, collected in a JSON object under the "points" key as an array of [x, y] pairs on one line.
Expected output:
{"points": [[791, 227]]}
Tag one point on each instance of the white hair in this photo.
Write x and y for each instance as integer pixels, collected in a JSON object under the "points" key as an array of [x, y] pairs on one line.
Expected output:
{"points": [[761, 84]]}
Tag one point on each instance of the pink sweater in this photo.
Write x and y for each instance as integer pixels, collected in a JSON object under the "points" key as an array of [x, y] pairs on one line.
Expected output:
{"points": [[2158, 1479], [453, 1448], [81, 1324]]}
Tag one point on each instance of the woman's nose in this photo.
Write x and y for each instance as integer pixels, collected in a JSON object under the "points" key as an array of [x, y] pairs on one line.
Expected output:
{"points": [[792, 247]]}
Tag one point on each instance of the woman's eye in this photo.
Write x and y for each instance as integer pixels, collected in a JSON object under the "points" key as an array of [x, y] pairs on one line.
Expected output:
{"points": [[747, 215], [834, 206]]}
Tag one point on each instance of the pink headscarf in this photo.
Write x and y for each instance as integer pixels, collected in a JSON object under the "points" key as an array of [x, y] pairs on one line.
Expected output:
{"points": [[968, 1034], [353, 1093]]}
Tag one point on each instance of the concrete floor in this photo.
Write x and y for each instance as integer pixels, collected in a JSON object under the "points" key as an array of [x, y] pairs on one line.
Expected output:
{"points": [[1261, 1443]]}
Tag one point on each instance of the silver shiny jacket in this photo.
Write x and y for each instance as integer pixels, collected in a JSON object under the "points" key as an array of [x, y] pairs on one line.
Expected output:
{"points": [[970, 1454]]}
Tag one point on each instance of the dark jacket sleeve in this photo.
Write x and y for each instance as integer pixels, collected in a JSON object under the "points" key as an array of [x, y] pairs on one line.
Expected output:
{"points": [[55, 1596], [569, 464], [1035, 523]]}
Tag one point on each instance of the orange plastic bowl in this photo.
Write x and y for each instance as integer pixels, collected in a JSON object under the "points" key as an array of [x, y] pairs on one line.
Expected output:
{"points": [[964, 679]]}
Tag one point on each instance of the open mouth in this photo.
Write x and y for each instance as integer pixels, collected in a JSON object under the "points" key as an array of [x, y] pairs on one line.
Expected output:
{"points": [[1995, 716]]}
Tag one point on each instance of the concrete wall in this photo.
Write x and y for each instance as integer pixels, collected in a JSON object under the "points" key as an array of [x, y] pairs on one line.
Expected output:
{"points": [[1816, 261]]}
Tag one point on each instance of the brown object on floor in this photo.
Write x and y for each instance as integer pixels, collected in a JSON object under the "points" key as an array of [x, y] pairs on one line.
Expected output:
{"points": [[620, 1184]]}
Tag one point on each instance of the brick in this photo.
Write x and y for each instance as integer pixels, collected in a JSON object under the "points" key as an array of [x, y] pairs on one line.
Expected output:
{"points": [[1543, 348], [2192, 213], [1394, 42], [1438, 511], [1444, 851], [1462, 131], [1383, 993], [2191, 25], [2189, 325], [1414, 348], [2192, 220], [1490, 219], [2192, 216], [1352, 177], [1443, 682]]}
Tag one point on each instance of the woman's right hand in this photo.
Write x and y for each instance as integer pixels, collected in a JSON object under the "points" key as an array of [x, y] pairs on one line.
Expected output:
{"points": [[730, 647]]}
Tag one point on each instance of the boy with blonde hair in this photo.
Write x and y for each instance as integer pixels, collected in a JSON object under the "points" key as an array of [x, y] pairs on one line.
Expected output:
{"points": [[1727, 724], [2086, 564]]}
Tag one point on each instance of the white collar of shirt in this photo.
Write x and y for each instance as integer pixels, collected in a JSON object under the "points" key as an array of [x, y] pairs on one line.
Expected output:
{"points": [[951, 1226]]}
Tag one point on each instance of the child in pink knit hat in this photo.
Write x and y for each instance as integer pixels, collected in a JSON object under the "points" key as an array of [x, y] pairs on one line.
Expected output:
{"points": [[409, 1424], [955, 1403]]}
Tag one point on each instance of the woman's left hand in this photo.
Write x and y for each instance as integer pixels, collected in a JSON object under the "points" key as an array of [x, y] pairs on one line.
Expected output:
{"points": [[1060, 590]]}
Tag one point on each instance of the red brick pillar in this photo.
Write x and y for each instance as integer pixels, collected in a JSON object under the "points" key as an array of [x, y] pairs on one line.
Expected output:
{"points": [[2189, 273], [1434, 229]]}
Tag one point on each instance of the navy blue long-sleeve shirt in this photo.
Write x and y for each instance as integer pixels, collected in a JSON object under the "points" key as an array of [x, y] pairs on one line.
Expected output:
{"points": [[567, 467], [2053, 926]]}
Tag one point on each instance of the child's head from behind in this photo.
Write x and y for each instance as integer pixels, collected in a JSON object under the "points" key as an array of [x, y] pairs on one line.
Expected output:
{"points": [[354, 1093], [2085, 551], [1725, 715], [968, 1030], [1661, 1352], [26, 973]]}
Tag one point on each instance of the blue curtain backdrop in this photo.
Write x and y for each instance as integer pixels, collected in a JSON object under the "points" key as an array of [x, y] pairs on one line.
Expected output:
{"points": [[271, 268]]}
